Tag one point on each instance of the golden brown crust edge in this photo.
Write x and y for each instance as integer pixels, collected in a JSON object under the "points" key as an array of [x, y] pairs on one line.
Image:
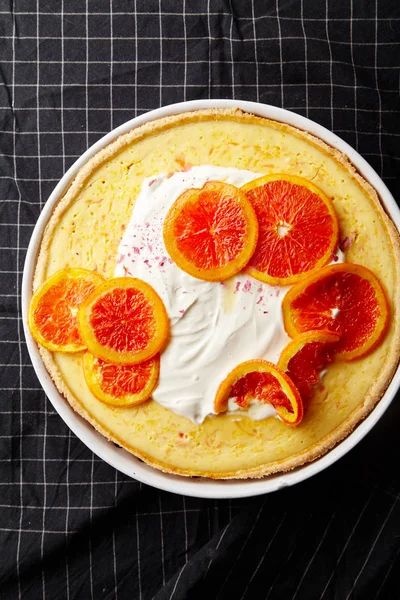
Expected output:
{"points": [[76, 185], [376, 391]]}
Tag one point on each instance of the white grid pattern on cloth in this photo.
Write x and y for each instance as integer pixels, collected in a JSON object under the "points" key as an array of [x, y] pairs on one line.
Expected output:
{"points": [[42, 542], [67, 510], [278, 574], [241, 550], [263, 557], [372, 547], [306, 85], [378, 595], [114, 546], [330, 60], [354, 73], [346, 544], [49, 130], [377, 85], [19, 324], [313, 556], [201, 14]]}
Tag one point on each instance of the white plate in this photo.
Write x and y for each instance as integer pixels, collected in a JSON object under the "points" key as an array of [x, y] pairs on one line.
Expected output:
{"points": [[123, 460]]}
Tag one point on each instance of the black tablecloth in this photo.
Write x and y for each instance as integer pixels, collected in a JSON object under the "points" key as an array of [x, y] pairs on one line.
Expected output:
{"points": [[70, 525]]}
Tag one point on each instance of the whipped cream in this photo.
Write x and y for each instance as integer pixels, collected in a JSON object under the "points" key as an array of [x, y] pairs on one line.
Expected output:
{"points": [[256, 410], [214, 325]]}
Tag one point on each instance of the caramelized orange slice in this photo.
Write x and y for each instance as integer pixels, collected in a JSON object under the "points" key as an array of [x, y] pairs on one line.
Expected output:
{"points": [[124, 321], [53, 309], [305, 357], [262, 381], [347, 299], [298, 229], [211, 232], [121, 385]]}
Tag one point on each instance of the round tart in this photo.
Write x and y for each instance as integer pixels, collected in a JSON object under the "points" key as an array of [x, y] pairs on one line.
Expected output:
{"points": [[87, 231]]}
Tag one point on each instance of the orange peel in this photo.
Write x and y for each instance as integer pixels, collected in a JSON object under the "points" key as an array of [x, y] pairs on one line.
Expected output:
{"points": [[261, 380], [211, 233], [124, 321], [298, 228], [305, 357], [347, 299], [121, 385], [52, 314]]}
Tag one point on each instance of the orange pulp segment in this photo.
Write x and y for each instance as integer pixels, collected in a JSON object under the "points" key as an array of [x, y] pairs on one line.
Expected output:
{"points": [[121, 385], [347, 299], [53, 309], [305, 357], [263, 381], [124, 321], [211, 232], [298, 228]]}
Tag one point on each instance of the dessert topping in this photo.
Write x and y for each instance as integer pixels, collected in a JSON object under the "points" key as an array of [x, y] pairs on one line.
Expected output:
{"points": [[53, 309], [298, 228], [211, 233], [347, 299]]}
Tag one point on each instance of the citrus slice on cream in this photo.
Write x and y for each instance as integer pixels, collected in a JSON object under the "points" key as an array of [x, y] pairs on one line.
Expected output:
{"points": [[121, 385], [298, 228], [211, 233], [124, 321], [347, 299], [261, 381], [305, 357], [53, 309]]}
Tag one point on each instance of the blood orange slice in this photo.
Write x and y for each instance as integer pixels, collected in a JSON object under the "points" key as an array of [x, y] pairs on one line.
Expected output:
{"points": [[347, 299], [124, 321], [298, 229], [305, 357], [211, 232], [121, 385], [53, 309], [263, 381]]}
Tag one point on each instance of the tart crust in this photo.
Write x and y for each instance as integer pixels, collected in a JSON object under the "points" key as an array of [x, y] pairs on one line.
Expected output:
{"points": [[85, 229]]}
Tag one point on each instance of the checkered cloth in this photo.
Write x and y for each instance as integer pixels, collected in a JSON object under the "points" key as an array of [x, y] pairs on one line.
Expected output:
{"points": [[70, 525]]}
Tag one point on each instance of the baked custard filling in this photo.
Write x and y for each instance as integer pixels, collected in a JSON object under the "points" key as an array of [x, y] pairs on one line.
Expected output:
{"points": [[88, 229]]}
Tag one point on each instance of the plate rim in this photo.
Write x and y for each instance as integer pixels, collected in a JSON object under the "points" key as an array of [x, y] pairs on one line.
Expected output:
{"points": [[121, 459]]}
